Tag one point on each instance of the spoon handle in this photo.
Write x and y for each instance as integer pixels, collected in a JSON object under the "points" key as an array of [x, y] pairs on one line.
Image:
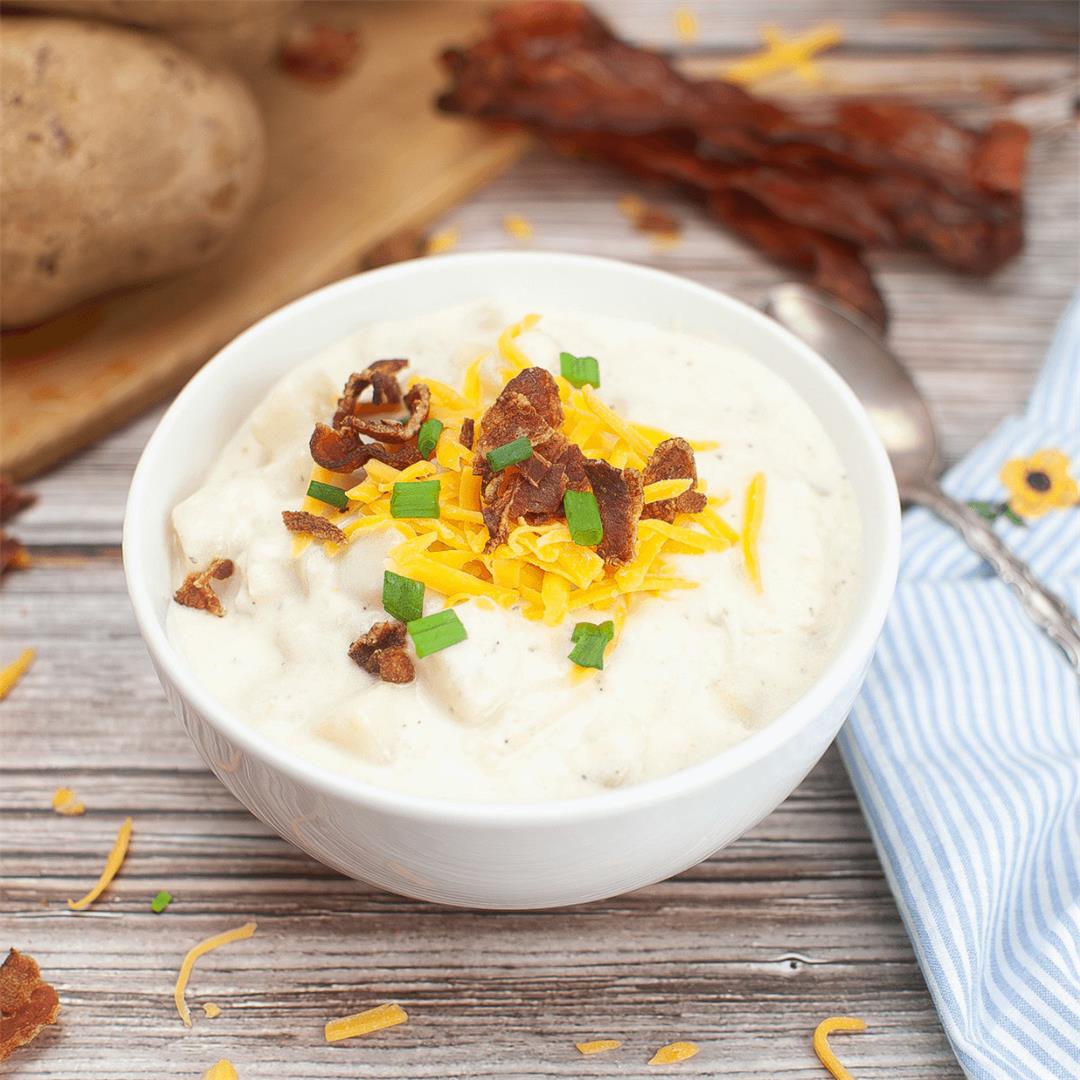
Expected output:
{"points": [[1047, 610]]}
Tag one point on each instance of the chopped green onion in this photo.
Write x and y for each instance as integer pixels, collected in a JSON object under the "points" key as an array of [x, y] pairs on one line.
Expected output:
{"points": [[509, 454], [160, 902], [402, 597], [327, 493], [426, 441], [590, 640], [579, 370], [583, 518], [436, 632], [415, 499]]}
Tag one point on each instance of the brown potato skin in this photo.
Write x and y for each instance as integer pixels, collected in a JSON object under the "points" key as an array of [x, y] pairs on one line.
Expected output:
{"points": [[122, 159], [245, 34]]}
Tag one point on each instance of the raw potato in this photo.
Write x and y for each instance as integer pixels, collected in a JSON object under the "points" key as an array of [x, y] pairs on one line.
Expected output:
{"points": [[244, 34], [122, 159]]}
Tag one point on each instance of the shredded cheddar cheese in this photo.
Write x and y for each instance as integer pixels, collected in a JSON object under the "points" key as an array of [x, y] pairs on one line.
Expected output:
{"points": [[364, 1023], [673, 1053], [780, 54], [188, 964], [442, 241], [112, 865], [821, 1042], [221, 1070], [10, 675], [685, 24], [752, 517], [66, 802], [520, 228], [539, 571], [598, 1046]]}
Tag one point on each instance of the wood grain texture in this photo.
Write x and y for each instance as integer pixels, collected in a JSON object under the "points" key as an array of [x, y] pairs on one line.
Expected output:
{"points": [[743, 954], [347, 166]]}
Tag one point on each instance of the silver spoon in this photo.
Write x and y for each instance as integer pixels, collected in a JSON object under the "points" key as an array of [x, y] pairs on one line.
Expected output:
{"points": [[902, 419]]}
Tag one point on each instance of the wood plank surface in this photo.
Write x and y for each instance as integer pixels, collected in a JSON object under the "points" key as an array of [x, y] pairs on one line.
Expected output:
{"points": [[743, 954], [347, 166]]}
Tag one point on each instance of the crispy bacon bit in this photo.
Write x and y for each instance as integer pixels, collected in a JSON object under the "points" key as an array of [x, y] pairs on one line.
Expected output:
{"points": [[818, 192], [417, 401], [300, 521], [27, 1003], [381, 377], [468, 432], [620, 497], [381, 652], [673, 459], [13, 554], [13, 499], [196, 592], [528, 407], [343, 451], [319, 54]]}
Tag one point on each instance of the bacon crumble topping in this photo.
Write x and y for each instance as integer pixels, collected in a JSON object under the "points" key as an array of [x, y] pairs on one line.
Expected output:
{"points": [[673, 459], [381, 652], [468, 432], [28, 1004], [300, 521], [620, 497], [196, 592], [339, 446], [528, 407]]}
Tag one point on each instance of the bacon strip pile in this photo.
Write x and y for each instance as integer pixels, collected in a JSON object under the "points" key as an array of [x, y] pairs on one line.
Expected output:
{"points": [[813, 196]]}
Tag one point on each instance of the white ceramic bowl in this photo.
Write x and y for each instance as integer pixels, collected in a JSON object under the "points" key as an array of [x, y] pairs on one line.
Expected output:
{"points": [[502, 855]]}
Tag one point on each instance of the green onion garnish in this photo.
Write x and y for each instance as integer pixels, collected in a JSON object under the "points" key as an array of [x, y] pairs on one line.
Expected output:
{"points": [[590, 640], [327, 493], [402, 597], [435, 632], [426, 441], [509, 454], [415, 499], [583, 518], [579, 370], [160, 902]]}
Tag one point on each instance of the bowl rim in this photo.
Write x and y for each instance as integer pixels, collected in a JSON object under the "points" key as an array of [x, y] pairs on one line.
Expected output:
{"points": [[844, 666]]}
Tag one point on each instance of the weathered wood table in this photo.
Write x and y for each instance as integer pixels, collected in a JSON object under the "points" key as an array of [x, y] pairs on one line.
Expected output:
{"points": [[743, 954]]}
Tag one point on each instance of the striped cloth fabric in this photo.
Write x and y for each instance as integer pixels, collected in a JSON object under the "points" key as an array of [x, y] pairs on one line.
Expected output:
{"points": [[964, 749]]}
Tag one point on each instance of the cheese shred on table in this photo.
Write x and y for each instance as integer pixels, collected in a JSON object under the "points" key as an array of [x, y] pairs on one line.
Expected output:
{"points": [[215, 942], [673, 1053], [821, 1042], [10, 675], [539, 570], [112, 865], [598, 1046], [66, 802], [364, 1023]]}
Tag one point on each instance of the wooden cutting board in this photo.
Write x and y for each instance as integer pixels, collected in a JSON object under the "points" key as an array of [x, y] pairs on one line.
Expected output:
{"points": [[349, 165]]}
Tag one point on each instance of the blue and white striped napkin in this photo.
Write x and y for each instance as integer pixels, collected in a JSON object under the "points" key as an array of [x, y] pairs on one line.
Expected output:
{"points": [[964, 749]]}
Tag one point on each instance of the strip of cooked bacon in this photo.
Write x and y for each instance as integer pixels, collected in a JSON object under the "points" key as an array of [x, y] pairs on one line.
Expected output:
{"points": [[300, 521], [27, 1003], [381, 652], [620, 497], [673, 459], [196, 592], [417, 401]]}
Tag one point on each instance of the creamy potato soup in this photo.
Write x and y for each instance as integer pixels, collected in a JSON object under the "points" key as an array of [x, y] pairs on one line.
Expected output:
{"points": [[589, 585]]}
